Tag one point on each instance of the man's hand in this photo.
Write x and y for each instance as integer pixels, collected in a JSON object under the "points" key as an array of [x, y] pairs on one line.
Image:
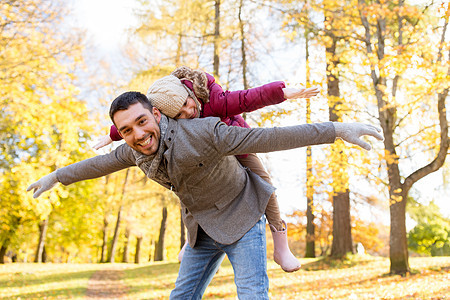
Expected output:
{"points": [[293, 93], [351, 132], [44, 184], [102, 142]]}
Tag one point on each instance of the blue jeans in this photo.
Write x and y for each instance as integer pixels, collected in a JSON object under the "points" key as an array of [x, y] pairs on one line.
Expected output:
{"points": [[247, 256]]}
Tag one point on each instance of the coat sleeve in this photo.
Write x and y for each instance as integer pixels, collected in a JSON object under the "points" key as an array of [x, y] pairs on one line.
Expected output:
{"points": [[225, 103], [114, 133], [232, 140], [98, 166]]}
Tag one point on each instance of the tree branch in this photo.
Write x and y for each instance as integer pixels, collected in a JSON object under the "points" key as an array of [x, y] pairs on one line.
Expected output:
{"points": [[443, 123]]}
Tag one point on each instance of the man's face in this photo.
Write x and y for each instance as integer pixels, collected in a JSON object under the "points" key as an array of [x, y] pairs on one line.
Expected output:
{"points": [[139, 128]]}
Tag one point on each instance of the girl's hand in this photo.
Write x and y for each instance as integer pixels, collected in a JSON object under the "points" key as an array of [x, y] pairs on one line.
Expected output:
{"points": [[293, 93], [102, 142]]}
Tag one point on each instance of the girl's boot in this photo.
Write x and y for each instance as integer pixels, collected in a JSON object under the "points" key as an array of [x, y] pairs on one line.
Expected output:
{"points": [[282, 255]]}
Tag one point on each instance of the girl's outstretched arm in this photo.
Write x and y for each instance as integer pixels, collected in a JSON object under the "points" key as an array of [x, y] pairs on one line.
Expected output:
{"points": [[229, 103], [108, 139], [102, 142]]}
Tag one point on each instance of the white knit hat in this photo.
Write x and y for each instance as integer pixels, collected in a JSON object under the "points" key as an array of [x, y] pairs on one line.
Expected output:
{"points": [[168, 94]]}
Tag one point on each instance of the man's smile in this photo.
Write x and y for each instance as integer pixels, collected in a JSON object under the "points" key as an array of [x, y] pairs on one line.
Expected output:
{"points": [[145, 142]]}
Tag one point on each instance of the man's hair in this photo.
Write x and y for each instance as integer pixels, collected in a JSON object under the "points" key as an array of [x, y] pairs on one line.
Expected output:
{"points": [[124, 101]]}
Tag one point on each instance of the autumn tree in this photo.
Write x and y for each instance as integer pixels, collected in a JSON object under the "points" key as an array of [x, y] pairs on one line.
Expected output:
{"points": [[74, 225], [326, 21], [322, 227], [342, 237], [173, 32], [310, 227], [43, 125], [399, 40]]}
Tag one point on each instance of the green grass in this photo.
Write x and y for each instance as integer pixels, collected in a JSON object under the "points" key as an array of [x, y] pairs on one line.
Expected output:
{"points": [[356, 277], [44, 281]]}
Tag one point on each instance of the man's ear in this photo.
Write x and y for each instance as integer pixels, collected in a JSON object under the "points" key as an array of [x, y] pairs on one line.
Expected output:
{"points": [[157, 114]]}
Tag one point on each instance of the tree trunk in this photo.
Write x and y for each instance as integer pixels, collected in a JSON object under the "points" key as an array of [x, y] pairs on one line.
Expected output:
{"points": [[310, 234], [105, 240], [125, 247], [342, 235], [179, 48], [115, 239], [137, 256], [182, 230], [6, 241], [310, 238], [152, 250], [159, 249], [112, 252], [398, 242], [398, 247], [243, 52], [216, 37], [40, 247], [3, 253], [44, 254]]}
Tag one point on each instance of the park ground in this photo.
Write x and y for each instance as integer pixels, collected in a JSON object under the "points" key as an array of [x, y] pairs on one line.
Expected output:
{"points": [[359, 277]]}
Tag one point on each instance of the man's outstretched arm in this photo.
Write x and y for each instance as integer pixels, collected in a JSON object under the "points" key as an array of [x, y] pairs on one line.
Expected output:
{"points": [[94, 167], [233, 141]]}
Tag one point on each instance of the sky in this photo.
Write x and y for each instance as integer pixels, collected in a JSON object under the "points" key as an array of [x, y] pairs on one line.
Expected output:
{"points": [[106, 22]]}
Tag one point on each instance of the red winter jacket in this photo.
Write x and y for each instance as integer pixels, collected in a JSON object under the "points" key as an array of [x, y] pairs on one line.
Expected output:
{"points": [[229, 105]]}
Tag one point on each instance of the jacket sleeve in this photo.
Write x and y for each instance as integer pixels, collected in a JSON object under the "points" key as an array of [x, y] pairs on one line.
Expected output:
{"points": [[114, 133], [98, 166], [225, 103], [232, 140]]}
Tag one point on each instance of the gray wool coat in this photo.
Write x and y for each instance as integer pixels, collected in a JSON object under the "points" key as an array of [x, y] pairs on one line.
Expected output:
{"points": [[198, 163]]}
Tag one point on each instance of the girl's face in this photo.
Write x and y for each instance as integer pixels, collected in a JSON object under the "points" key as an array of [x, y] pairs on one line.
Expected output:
{"points": [[188, 110]]}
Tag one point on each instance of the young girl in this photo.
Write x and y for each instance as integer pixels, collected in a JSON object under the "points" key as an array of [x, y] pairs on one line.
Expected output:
{"points": [[191, 94]]}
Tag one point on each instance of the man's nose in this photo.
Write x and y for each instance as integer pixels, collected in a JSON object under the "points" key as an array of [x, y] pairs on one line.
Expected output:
{"points": [[139, 133]]}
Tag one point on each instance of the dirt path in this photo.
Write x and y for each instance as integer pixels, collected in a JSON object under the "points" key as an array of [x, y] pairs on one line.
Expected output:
{"points": [[107, 284]]}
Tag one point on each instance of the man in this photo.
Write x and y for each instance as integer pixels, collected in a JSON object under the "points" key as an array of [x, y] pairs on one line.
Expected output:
{"points": [[222, 203]]}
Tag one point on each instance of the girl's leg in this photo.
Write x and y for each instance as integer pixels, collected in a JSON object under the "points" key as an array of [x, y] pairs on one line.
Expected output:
{"points": [[281, 252], [272, 209]]}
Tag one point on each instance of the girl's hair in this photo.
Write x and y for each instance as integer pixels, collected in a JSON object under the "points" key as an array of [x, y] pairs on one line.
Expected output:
{"points": [[198, 79]]}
